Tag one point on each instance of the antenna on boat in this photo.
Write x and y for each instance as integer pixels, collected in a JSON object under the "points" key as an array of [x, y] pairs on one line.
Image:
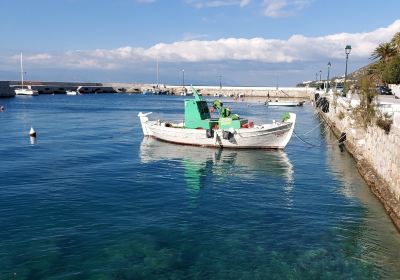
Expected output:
{"points": [[196, 94]]}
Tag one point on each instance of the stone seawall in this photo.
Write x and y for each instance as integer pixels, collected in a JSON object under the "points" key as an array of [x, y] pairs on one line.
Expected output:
{"points": [[377, 155], [5, 90], [272, 92]]}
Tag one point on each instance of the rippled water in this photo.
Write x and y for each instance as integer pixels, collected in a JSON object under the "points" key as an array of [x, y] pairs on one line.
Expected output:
{"points": [[93, 199]]}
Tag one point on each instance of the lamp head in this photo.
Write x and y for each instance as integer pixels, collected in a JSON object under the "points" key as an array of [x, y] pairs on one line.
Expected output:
{"points": [[347, 49], [329, 64]]}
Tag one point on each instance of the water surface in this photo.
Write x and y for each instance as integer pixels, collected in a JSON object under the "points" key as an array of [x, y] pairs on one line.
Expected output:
{"points": [[93, 199]]}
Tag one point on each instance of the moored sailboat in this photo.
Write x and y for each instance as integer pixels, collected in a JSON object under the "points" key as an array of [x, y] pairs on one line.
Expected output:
{"points": [[25, 90]]}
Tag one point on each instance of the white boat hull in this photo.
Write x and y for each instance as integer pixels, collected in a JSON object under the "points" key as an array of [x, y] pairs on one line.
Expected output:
{"points": [[23, 91], [72, 92], [266, 136]]}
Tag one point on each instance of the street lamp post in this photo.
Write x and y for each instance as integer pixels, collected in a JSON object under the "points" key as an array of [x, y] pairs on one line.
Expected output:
{"points": [[347, 50], [320, 72], [220, 82], [327, 79]]}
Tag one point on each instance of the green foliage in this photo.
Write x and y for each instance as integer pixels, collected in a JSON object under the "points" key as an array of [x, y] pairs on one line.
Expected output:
{"points": [[385, 122], [396, 42], [391, 72], [383, 52], [387, 68], [376, 70]]}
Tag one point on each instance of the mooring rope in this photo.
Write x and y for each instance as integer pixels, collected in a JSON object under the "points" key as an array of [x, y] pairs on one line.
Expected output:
{"points": [[321, 144]]}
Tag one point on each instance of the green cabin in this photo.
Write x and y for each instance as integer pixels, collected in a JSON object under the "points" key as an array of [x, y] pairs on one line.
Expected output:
{"points": [[197, 115]]}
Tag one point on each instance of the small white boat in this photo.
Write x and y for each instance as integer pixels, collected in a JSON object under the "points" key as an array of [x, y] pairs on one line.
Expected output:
{"points": [[228, 131], [284, 103], [25, 90], [72, 92]]}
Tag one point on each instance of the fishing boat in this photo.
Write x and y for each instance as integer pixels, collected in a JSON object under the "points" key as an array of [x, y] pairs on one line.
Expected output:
{"points": [[25, 90], [284, 103], [228, 130]]}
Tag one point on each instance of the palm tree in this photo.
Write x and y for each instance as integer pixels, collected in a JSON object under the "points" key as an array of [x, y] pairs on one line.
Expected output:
{"points": [[396, 42], [383, 52]]}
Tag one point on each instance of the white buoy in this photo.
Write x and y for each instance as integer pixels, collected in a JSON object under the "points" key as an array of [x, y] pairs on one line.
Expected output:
{"points": [[32, 132]]}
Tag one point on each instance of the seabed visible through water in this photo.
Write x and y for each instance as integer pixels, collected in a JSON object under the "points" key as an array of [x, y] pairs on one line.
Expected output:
{"points": [[93, 199]]}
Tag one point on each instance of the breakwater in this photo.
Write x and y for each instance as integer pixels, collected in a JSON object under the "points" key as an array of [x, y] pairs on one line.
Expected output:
{"points": [[5, 90], [376, 152], [83, 87], [272, 92]]}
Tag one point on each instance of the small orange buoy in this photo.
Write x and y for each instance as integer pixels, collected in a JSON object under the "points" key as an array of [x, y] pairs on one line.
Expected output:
{"points": [[32, 132]]}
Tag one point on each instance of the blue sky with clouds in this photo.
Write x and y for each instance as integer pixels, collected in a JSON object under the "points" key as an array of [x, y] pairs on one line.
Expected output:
{"points": [[248, 42]]}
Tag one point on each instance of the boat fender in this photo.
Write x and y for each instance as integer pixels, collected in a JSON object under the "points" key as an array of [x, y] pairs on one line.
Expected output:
{"points": [[210, 133]]}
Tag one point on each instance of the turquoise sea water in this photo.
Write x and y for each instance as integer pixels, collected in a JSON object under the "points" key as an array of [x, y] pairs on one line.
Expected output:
{"points": [[93, 199]]}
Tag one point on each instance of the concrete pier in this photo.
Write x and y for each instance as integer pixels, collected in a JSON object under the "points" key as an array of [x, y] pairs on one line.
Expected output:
{"points": [[272, 92], [265, 92], [6, 90]]}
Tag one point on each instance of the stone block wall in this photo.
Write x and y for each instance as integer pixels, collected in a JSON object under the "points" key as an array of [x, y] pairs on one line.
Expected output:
{"points": [[5, 90], [383, 151]]}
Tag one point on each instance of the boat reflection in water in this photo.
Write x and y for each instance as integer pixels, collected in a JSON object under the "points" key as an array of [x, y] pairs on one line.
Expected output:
{"points": [[208, 165]]}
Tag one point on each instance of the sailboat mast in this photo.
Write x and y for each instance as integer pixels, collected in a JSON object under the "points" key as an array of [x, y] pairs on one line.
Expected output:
{"points": [[22, 73], [157, 71]]}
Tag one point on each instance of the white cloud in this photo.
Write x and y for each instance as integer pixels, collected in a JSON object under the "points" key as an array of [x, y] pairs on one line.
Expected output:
{"points": [[270, 8], [283, 8], [297, 48], [244, 3], [217, 3], [36, 58]]}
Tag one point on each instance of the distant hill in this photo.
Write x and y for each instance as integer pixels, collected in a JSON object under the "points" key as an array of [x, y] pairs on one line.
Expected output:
{"points": [[354, 76]]}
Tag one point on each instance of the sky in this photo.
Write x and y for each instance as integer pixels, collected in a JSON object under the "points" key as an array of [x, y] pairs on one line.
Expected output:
{"points": [[240, 42]]}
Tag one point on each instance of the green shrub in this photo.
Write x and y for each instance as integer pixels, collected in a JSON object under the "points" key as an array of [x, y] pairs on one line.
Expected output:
{"points": [[391, 73], [385, 122], [364, 113]]}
